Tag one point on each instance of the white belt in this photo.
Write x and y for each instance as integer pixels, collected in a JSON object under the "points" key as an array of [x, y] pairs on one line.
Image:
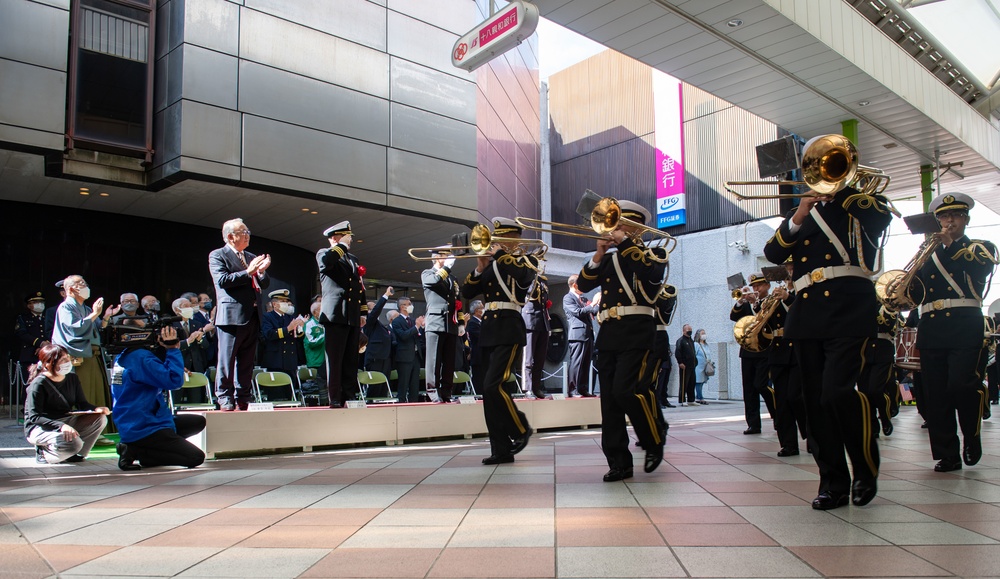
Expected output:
{"points": [[822, 274], [661, 328], [948, 304], [886, 336], [494, 306], [617, 312]]}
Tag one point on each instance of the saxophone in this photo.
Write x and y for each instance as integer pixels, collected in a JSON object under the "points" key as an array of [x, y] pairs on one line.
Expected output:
{"points": [[753, 332], [893, 288]]}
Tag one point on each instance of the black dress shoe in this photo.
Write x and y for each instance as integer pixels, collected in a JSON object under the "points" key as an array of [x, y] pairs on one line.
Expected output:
{"points": [[945, 465], [654, 456], [493, 459], [75, 458], [788, 452], [126, 460], [616, 474], [588, 396], [972, 451], [669, 405], [887, 428], [521, 441], [752, 431], [827, 500], [924, 425], [863, 491], [987, 412], [243, 406]]}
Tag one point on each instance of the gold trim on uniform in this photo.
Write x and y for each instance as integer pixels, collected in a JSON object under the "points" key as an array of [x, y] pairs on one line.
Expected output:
{"points": [[442, 273], [281, 334], [583, 272], [866, 431], [781, 241], [865, 202], [506, 396], [975, 250]]}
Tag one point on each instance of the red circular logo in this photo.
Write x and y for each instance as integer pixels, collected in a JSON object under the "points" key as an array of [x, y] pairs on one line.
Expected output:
{"points": [[460, 51]]}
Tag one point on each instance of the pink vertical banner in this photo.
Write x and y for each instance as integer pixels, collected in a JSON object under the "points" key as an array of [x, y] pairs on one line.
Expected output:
{"points": [[668, 140]]}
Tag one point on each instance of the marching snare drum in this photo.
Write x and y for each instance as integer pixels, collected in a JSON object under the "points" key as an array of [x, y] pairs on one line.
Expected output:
{"points": [[907, 354]]}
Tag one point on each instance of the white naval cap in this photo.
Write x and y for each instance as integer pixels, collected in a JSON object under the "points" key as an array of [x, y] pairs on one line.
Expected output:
{"points": [[342, 228]]}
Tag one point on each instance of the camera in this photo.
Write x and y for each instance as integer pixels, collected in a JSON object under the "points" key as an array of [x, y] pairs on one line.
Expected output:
{"points": [[118, 338]]}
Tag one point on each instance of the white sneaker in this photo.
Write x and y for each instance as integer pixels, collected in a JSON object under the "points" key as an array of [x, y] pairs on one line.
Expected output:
{"points": [[684, 404]]}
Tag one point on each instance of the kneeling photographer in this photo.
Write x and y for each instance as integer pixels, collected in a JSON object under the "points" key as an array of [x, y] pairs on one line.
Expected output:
{"points": [[143, 374]]}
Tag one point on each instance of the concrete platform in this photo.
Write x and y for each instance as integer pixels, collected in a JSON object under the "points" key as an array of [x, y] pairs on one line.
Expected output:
{"points": [[305, 428]]}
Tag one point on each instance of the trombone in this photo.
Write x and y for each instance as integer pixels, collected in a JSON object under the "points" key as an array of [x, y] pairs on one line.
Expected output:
{"points": [[829, 163], [479, 242], [605, 215]]}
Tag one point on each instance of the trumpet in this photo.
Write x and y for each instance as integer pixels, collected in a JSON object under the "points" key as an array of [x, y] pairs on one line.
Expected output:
{"points": [[479, 243], [742, 292], [829, 164]]}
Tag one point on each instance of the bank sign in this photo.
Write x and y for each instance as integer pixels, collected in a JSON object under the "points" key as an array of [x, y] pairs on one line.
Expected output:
{"points": [[668, 139]]}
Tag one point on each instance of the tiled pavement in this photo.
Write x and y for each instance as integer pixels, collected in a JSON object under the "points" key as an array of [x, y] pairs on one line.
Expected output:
{"points": [[723, 505]]}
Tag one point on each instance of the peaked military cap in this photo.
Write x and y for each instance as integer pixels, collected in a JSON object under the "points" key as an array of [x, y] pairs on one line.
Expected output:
{"points": [[35, 297], [635, 212], [281, 294], [342, 228], [505, 226], [951, 202], [757, 278], [59, 284]]}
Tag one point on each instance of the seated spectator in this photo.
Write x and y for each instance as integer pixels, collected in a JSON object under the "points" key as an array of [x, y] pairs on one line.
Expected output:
{"points": [[203, 320], [281, 330], [191, 348], [315, 338], [151, 306], [149, 432], [58, 419], [129, 315]]}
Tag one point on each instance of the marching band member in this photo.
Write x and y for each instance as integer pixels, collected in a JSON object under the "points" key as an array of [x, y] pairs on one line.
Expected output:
{"points": [[666, 303], [878, 377], [830, 322], [950, 334], [502, 278], [754, 365], [783, 369], [630, 280]]}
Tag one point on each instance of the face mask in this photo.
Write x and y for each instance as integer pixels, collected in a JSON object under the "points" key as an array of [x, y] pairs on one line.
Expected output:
{"points": [[287, 308], [38, 307], [206, 305], [84, 293], [130, 308], [409, 309], [154, 307], [704, 338], [186, 313], [64, 368]]}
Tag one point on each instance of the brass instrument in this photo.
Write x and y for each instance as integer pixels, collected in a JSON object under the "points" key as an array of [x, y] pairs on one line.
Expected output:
{"points": [[742, 292], [479, 243], [753, 332], [829, 163], [605, 217], [892, 288]]}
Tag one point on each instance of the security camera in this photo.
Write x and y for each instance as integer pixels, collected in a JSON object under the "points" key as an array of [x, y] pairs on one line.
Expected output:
{"points": [[741, 246]]}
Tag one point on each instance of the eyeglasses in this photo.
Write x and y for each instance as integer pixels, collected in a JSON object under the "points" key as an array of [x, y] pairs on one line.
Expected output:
{"points": [[242, 232], [81, 284]]}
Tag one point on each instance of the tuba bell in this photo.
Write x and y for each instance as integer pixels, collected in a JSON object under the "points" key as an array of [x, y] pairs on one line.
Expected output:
{"points": [[895, 288], [753, 333]]}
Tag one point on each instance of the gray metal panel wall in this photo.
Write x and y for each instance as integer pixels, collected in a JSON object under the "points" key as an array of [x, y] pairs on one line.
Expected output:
{"points": [[507, 117], [33, 61]]}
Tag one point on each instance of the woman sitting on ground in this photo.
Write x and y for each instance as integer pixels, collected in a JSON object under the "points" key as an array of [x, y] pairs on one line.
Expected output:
{"points": [[58, 420]]}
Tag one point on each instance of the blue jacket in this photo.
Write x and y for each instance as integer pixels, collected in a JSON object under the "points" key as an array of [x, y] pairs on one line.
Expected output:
{"points": [[138, 386]]}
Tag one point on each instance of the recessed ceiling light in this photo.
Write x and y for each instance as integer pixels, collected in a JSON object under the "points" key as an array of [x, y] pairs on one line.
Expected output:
{"points": [[305, 209], [314, 213], [734, 23], [864, 103], [84, 191], [105, 194]]}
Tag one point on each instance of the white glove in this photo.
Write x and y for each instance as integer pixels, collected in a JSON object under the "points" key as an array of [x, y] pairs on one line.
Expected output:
{"points": [[450, 262]]}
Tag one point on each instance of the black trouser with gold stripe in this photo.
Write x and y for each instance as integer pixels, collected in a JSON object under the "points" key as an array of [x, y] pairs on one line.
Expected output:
{"points": [[789, 408], [878, 378], [503, 420], [625, 390], [839, 416], [951, 382], [755, 374]]}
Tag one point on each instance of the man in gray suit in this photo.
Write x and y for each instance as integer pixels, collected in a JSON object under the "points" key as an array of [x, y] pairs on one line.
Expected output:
{"points": [[340, 313], [580, 315], [404, 330], [441, 329]]}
